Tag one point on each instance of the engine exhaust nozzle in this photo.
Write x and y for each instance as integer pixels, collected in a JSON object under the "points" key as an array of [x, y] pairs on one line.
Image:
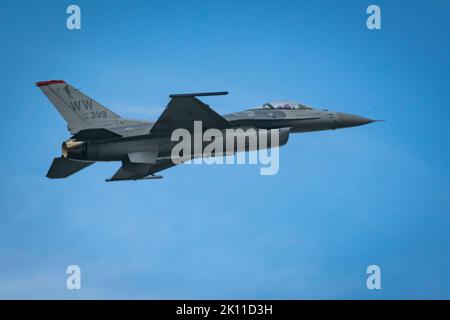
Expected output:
{"points": [[74, 149]]}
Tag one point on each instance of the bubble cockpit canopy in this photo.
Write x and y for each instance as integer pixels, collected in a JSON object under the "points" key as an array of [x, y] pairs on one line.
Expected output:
{"points": [[285, 105]]}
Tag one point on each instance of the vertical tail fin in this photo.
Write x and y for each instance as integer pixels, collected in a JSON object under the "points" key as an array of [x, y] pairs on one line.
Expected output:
{"points": [[79, 110]]}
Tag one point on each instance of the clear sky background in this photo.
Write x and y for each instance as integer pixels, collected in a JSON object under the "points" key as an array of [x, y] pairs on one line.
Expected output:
{"points": [[342, 200]]}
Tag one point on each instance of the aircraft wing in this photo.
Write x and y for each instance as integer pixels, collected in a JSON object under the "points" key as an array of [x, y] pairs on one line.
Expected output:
{"points": [[137, 171], [183, 110]]}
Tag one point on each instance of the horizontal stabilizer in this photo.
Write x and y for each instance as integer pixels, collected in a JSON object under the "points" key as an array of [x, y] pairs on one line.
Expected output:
{"points": [[95, 134], [63, 167]]}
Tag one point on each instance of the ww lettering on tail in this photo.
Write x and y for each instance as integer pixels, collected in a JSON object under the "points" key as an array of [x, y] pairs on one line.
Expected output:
{"points": [[76, 105], [87, 104]]}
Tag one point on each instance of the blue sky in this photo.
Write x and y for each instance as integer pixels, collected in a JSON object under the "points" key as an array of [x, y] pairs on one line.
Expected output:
{"points": [[342, 200]]}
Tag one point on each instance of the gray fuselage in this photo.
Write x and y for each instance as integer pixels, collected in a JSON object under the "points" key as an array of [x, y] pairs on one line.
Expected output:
{"points": [[287, 121]]}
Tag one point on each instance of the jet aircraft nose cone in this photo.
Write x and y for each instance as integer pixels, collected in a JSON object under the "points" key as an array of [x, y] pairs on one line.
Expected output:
{"points": [[349, 120]]}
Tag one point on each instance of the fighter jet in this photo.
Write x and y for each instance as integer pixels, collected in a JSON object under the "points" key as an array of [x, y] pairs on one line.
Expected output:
{"points": [[144, 148]]}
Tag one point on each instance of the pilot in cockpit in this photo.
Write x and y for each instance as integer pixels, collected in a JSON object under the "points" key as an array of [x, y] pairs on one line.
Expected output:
{"points": [[285, 105]]}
